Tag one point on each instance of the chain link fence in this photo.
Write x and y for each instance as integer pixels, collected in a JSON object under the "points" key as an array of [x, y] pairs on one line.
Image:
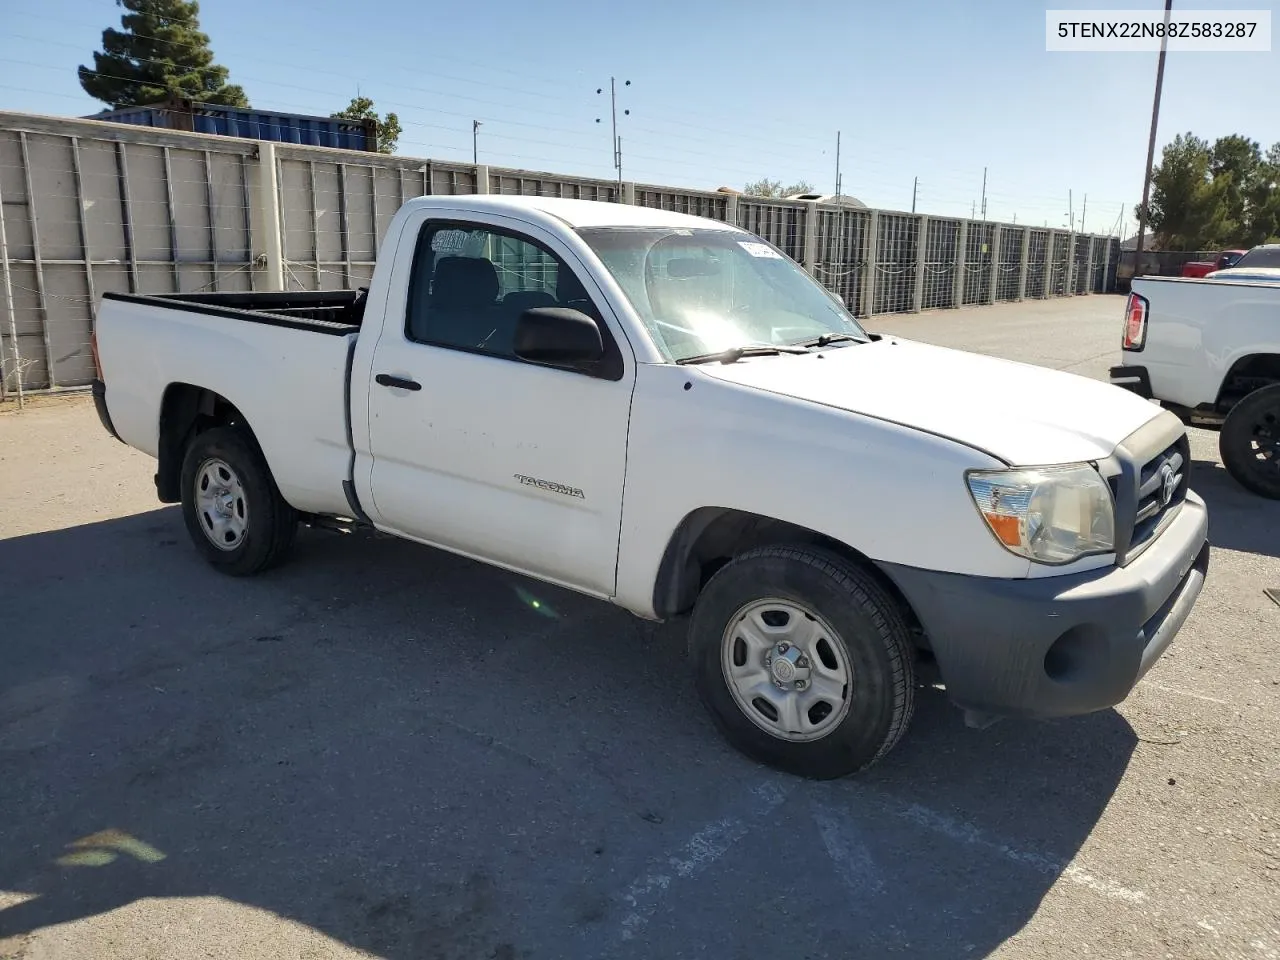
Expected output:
{"points": [[88, 207]]}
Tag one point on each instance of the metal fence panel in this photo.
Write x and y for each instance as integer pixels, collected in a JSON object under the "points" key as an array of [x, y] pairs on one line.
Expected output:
{"points": [[1060, 258], [1037, 262], [526, 184], [1080, 274], [87, 207], [450, 179], [942, 238], [781, 223], [978, 255], [897, 256], [842, 255], [1009, 270], [86, 213], [713, 206], [1113, 264]]}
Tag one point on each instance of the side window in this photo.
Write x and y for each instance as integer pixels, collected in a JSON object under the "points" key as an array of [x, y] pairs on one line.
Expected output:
{"points": [[470, 285]]}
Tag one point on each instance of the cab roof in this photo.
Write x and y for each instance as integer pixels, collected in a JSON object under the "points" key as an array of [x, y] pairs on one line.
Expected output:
{"points": [[574, 213]]}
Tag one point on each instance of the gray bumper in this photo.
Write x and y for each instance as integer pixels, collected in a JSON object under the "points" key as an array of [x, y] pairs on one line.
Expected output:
{"points": [[1057, 646]]}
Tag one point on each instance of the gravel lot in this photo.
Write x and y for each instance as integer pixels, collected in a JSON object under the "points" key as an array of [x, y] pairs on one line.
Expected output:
{"points": [[383, 749]]}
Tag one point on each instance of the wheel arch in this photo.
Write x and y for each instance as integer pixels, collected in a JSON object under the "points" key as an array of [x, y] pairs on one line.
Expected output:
{"points": [[1248, 373], [709, 537], [185, 411]]}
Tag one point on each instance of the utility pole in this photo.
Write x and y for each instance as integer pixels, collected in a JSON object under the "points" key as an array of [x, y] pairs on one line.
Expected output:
{"points": [[1083, 208], [617, 140], [1071, 216], [1151, 143], [973, 210], [475, 142], [914, 184], [837, 165], [984, 193]]}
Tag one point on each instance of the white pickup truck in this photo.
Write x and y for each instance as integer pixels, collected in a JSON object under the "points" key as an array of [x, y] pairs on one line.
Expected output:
{"points": [[666, 413], [1209, 350]]}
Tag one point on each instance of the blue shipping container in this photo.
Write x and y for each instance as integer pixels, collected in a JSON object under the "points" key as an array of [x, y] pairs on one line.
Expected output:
{"points": [[181, 114]]}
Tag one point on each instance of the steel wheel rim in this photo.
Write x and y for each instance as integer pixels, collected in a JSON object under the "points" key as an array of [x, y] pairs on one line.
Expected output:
{"points": [[787, 669], [1264, 440], [221, 504]]}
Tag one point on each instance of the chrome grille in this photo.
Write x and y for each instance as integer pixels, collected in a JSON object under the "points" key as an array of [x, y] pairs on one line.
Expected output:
{"points": [[1150, 463], [1164, 474]]}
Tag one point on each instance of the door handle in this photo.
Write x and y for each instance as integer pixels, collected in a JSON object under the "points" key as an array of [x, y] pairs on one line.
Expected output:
{"points": [[400, 383]]}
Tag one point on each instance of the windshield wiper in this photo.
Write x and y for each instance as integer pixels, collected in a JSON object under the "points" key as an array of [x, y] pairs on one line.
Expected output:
{"points": [[827, 339], [734, 354]]}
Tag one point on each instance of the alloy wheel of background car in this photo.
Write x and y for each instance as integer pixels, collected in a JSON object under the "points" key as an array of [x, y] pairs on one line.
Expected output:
{"points": [[1250, 442]]}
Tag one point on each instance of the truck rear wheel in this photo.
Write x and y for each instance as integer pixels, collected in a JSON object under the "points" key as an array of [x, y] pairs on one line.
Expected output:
{"points": [[803, 660], [1250, 442], [233, 511]]}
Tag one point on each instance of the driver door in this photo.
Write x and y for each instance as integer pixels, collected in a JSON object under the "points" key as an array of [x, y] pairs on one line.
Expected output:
{"points": [[475, 450]]}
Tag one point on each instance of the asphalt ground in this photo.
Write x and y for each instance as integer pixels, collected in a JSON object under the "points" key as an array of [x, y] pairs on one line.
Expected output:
{"points": [[381, 749]]}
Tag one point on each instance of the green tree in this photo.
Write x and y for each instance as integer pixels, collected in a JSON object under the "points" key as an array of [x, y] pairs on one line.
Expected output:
{"points": [[1205, 197], [159, 53], [774, 188], [1187, 211], [1236, 162], [361, 108], [1263, 218]]}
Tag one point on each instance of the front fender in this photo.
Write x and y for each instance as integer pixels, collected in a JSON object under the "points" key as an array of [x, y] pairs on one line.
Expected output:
{"points": [[892, 493]]}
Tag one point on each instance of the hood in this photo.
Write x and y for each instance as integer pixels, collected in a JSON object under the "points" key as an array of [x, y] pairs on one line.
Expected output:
{"points": [[1023, 414]]}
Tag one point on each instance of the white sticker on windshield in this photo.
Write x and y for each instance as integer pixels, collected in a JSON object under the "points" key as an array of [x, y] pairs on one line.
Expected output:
{"points": [[762, 250], [450, 241]]}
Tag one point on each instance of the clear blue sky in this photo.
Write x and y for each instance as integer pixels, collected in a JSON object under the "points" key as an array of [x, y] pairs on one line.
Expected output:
{"points": [[721, 92]]}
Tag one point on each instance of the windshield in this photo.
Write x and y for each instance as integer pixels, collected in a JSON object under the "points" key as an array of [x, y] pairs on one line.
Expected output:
{"points": [[703, 291], [1261, 257]]}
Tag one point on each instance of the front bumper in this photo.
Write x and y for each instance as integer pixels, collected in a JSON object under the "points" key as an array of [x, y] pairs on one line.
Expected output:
{"points": [[1058, 646], [1132, 378]]}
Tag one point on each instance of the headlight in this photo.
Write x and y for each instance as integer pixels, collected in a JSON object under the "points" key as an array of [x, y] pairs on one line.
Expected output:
{"points": [[1047, 514]]}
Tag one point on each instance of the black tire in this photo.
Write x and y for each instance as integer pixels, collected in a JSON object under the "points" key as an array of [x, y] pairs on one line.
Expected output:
{"points": [[870, 627], [271, 523], [1250, 442]]}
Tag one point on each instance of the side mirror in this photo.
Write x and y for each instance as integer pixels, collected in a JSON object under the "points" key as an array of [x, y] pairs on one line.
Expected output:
{"points": [[559, 336]]}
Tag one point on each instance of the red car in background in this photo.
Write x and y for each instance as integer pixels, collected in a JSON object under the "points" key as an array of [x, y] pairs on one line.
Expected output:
{"points": [[1225, 259]]}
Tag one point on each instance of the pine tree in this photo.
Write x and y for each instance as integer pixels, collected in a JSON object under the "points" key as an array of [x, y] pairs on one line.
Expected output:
{"points": [[160, 53]]}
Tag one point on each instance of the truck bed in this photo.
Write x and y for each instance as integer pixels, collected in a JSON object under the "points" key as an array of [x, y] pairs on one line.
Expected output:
{"points": [[284, 367], [335, 312]]}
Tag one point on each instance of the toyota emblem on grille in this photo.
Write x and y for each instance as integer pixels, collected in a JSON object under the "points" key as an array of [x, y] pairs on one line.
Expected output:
{"points": [[1168, 484]]}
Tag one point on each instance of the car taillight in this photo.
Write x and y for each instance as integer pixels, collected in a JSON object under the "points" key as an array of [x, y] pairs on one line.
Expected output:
{"points": [[1135, 322]]}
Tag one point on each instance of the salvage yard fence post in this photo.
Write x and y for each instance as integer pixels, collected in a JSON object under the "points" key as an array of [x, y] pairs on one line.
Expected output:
{"points": [[922, 263], [962, 245], [268, 209]]}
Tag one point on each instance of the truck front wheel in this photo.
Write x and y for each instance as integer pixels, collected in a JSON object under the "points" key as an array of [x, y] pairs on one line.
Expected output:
{"points": [[803, 660], [233, 511], [1250, 442]]}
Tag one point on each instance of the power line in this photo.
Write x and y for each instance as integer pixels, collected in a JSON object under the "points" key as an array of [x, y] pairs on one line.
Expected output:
{"points": [[310, 68], [668, 159], [865, 178]]}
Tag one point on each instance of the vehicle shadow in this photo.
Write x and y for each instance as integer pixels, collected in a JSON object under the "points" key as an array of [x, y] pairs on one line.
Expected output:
{"points": [[420, 757], [1238, 519]]}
